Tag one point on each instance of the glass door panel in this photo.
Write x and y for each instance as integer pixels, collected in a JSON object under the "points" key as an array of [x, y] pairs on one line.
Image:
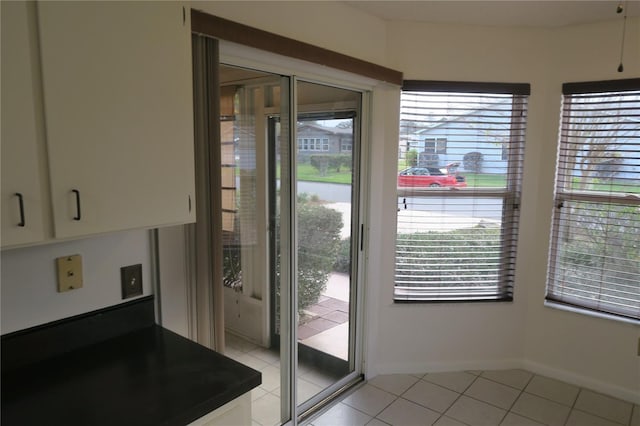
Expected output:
{"points": [[253, 235], [327, 135]]}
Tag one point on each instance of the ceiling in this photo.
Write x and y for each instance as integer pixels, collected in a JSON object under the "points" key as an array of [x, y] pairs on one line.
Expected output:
{"points": [[547, 14]]}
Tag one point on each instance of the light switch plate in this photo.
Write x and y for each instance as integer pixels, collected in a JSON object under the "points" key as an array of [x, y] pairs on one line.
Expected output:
{"points": [[69, 272], [131, 281]]}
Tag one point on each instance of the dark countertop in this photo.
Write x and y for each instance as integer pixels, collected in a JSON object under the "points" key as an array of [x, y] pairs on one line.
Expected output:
{"points": [[148, 376]]}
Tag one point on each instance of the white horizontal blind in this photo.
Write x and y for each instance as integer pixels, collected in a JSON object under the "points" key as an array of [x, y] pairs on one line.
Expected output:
{"points": [[456, 241], [594, 259]]}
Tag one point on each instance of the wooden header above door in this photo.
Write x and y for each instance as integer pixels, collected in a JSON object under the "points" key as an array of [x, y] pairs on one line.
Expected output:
{"points": [[223, 29]]}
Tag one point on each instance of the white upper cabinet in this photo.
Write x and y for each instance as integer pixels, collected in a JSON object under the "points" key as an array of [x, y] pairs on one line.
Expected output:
{"points": [[119, 114], [22, 141]]}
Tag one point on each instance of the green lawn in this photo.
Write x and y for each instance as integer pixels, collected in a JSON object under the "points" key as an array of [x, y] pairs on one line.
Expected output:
{"points": [[309, 173], [595, 185], [485, 180]]}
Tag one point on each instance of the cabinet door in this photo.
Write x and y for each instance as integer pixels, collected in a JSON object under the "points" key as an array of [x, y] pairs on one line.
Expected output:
{"points": [[119, 119], [21, 137]]}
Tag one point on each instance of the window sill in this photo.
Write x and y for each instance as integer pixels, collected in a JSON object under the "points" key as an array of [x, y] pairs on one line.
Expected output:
{"points": [[588, 312], [450, 301]]}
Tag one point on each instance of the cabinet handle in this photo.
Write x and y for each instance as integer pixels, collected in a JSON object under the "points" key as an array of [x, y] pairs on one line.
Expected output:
{"points": [[78, 215], [21, 204], [189, 203]]}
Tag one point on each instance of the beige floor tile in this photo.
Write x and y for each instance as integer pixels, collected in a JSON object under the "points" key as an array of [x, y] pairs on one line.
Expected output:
{"points": [[552, 389], [235, 342], [369, 400], [541, 409], [251, 361], [457, 381], [448, 421], [257, 393], [431, 396], [232, 352], [266, 410], [342, 415], [306, 390], [270, 378], [475, 413], [515, 378], [497, 394], [635, 418], [474, 372], [396, 384], [268, 356], [604, 406], [377, 422], [580, 418], [516, 420], [406, 413]]}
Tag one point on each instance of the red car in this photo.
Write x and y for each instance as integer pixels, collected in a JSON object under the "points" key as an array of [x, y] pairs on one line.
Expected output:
{"points": [[429, 177]]}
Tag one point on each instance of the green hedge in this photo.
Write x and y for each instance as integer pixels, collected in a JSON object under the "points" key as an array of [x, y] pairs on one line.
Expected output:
{"points": [[446, 248], [324, 162], [318, 244]]}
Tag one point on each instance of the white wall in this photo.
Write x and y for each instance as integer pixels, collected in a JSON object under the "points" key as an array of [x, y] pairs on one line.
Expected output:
{"points": [[175, 299], [328, 24], [28, 291]]}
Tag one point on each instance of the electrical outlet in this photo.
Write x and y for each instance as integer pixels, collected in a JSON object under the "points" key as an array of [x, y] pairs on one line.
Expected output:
{"points": [[69, 273], [131, 280]]}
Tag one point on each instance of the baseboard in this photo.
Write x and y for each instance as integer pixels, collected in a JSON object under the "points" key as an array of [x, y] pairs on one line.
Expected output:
{"points": [[584, 381], [615, 391], [437, 367]]}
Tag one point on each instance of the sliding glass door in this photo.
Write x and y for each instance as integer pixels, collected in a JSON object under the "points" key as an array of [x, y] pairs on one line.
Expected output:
{"points": [[290, 161]]}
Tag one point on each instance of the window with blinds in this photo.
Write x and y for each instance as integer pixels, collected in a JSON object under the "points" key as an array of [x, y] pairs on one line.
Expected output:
{"points": [[594, 260], [458, 204]]}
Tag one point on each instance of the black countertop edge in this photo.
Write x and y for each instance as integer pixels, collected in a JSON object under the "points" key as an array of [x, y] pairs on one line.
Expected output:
{"points": [[52, 339], [148, 376]]}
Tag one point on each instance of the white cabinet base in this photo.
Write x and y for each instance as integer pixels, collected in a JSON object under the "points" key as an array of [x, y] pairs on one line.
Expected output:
{"points": [[234, 413]]}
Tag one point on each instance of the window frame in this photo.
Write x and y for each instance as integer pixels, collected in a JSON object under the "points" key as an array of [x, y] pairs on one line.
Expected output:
{"points": [[510, 194], [563, 193]]}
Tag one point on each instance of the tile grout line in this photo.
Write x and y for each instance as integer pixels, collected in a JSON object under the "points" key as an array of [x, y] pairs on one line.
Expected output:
{"points": [[573, 406], [397, 397], [412, 402], [341, 401], [598, 416], [455, 400], [519, 395]]}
